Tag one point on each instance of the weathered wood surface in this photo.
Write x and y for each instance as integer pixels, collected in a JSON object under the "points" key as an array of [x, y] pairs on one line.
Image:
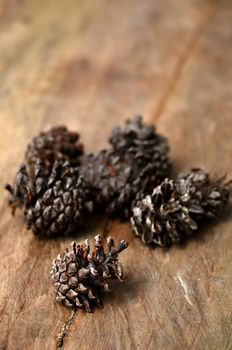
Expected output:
{"points": [[90, 64]]}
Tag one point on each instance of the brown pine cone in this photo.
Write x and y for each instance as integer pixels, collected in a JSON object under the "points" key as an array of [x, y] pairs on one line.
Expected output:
{"points": [[52, 205], [56, 144], [79, 275], [207, 197], [176, 207], [136, 162]]}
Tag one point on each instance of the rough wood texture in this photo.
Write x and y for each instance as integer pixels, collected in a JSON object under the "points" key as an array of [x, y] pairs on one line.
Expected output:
{"points": [[90, 64]]}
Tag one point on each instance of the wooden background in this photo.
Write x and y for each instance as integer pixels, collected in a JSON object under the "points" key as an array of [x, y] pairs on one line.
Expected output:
{"points": [[90, 64]]}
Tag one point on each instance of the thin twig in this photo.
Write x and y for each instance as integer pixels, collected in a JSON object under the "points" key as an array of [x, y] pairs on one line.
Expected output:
{"points": [[64, 329]]}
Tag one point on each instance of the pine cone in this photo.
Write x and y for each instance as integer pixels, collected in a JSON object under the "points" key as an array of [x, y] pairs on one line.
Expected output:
{"points": [[56, 144], [52, 205], [176, 207], [136, 162], [79, 276], [207, 196]]}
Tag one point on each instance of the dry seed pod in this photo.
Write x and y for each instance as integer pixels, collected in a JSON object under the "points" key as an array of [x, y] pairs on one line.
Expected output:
{"points": [[136, 162], [79, 276], [176, 207], [56, 144], [52, 205]]}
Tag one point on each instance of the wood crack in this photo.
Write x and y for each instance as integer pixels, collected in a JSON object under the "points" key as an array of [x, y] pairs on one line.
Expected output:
{"points": [[65, 328], [181, 62]]}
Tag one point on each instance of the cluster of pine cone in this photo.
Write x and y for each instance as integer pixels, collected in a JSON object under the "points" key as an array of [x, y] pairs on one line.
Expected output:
{"points": [[59, 184]]}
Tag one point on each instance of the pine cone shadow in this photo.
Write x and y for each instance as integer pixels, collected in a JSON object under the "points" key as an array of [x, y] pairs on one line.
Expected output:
{"points": [[122, 293], [93, 223]]}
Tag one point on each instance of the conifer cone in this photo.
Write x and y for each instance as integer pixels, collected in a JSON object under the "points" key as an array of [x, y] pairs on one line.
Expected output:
{"points": [[56, 144], [136, 162], [175, 208], [52, 205], [79, 275]]}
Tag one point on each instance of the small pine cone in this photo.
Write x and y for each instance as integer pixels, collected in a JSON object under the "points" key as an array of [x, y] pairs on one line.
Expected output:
{"points": [[206, 196], [176, 207], [136, 162], [79, 275], [52, 205], [56, 144]]}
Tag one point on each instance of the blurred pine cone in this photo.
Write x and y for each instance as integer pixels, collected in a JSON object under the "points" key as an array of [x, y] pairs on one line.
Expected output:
{"points": [[56, 144], [52, 205], [176, 207], [136, 162], [79, 276]]}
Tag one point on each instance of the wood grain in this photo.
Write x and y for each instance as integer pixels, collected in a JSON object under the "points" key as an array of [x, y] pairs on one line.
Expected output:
{"points": [[91, 64]]}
